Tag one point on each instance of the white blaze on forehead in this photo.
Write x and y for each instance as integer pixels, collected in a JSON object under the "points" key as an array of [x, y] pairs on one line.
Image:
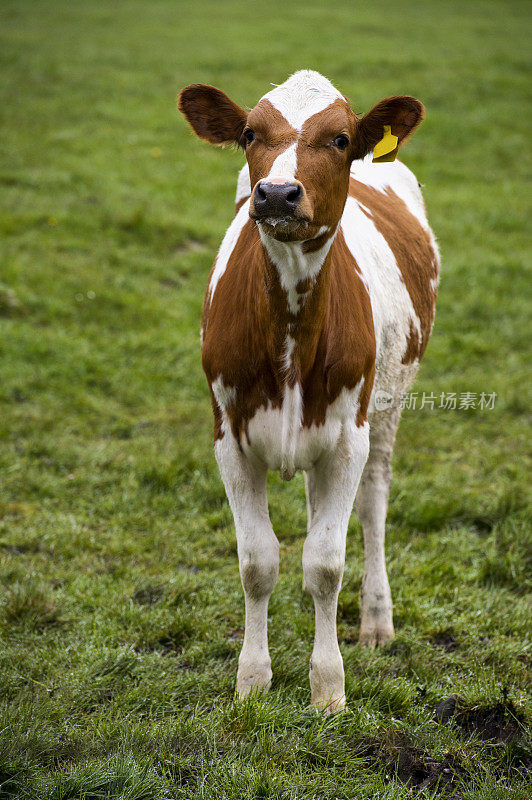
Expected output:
{"points": [[301, 96]]}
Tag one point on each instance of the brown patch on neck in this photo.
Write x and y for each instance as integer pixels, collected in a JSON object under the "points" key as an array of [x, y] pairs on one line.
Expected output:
{"points": [[312, 245], [411, 245]]}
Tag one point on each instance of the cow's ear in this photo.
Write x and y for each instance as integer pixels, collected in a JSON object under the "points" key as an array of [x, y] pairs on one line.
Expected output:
{"points": [[211, 114], [396, 117]]}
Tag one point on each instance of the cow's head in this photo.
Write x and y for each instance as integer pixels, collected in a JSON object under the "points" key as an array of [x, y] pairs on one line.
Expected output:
{"points": [[299, 140]]}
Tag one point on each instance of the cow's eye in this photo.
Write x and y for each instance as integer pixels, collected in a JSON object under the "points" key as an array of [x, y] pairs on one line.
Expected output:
{"points": [[341, 141], [249, 135]]}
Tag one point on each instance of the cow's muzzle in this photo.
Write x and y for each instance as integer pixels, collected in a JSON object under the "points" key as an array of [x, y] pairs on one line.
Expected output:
{"points": [[279, 203]]}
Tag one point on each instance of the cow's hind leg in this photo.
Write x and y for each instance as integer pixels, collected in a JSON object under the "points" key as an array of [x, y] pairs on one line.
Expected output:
{"points": [[258, 556], [376, 620], [331, 488]]}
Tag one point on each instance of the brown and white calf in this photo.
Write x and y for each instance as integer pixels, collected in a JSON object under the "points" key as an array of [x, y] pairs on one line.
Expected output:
{"points": [[321, 299]]}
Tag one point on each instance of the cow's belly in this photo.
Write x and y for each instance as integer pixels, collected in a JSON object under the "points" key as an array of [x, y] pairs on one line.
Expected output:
{"points": [[266, 437], [264, 440]]}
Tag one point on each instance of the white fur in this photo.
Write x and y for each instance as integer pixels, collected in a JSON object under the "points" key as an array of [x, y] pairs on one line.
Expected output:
{"points": [[392, 175], [258, 556], [225, 397], [292, 410], [243, 185], [265, 438], [396, 176], [285, 165], [304, 94], [293, 265], [291, 413], [289, 344], [228, 245], [376, 610], [331, 487]]}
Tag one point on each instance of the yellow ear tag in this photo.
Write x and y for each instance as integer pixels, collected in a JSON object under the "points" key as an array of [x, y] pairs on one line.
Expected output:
{"points": [[386, 149]]}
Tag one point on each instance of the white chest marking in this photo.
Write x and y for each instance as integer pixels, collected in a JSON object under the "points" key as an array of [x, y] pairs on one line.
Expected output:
{"points": [[293, 265]]}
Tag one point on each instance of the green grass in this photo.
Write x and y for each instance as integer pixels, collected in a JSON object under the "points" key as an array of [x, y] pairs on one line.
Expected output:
{"points": [[121, 608]]}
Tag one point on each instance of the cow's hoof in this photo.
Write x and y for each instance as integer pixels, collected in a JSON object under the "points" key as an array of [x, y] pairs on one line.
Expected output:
{"points": [[252, 680], [376, 634], [330, 705]]}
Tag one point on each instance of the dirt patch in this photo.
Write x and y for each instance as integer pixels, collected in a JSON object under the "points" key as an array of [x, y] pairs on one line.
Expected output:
{"points": [[445, 640], [499, 723], [148, 595], [417, 769], [22, 549], [165, 645]]}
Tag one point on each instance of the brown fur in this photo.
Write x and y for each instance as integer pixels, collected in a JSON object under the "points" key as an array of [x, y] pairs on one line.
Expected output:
{"points": [[211, 114]]}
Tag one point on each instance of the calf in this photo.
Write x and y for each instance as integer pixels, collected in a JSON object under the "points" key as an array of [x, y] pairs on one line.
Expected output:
{"points": [[319, 306]]}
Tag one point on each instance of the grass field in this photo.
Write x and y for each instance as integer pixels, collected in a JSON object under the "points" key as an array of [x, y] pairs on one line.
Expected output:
{"points": [[121, 606]]}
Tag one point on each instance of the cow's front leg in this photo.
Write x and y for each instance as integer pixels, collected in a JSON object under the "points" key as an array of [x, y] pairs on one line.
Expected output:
{"points": [[258, 556], [331, 487]]}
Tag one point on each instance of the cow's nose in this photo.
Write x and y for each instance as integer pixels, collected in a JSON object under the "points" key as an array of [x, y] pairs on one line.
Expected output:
{"points": [[277, 199]]}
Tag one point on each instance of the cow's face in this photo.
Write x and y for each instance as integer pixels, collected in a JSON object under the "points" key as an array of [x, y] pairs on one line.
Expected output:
{"points": [[299, 140]]}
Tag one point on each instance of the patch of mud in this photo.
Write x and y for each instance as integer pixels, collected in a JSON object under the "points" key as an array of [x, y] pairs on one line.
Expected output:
{"points": [[445, 640], [500, 723], [417, 769], [148, 595]]}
